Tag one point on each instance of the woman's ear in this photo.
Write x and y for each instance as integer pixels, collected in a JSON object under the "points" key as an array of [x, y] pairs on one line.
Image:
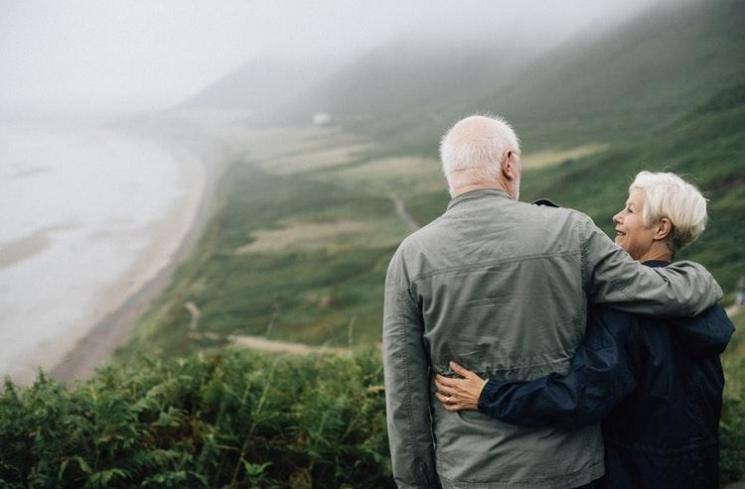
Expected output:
{"points": [[663, 228]]}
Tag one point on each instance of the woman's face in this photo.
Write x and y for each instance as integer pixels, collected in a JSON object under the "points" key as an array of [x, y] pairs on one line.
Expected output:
{"points": [[631, 233]]}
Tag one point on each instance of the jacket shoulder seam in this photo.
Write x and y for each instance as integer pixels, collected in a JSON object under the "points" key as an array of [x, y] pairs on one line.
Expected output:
{"points": [[500, 261]]}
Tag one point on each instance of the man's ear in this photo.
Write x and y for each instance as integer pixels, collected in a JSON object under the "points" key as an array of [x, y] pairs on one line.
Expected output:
{"points": [[509, 165], [663, 228]]}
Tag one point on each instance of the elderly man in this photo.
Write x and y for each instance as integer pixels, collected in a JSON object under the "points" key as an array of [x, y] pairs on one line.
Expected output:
{"points": [[502, 288]]}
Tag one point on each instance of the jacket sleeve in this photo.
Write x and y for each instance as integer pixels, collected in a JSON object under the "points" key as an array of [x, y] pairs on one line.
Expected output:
{"points": [[407, 384], [706, 334], [683, 289], [601, 374]]}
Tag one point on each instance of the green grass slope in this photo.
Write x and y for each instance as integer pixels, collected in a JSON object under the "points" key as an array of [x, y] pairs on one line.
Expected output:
{"points": [[323, 285], [635, 79]]}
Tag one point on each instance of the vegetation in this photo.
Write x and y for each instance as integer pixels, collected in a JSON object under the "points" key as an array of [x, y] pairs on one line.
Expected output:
{"points": [[233, 420], [732, 426]]}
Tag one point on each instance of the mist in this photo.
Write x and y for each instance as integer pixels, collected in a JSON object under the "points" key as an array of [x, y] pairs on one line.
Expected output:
{"points": [[85, 56]]}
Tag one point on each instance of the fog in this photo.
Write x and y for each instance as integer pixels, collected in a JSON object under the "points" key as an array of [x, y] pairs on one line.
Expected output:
{"points": [[88, 56]]}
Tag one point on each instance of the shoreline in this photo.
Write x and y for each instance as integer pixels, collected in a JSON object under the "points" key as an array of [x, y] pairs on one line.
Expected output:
{"points": [[114, 328]]}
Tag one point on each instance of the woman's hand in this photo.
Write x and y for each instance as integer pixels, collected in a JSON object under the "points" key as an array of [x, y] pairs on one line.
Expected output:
{"points": [[460, 394]]}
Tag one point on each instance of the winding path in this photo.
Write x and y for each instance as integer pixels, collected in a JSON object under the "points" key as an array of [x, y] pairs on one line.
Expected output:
{"points": [[276, 346], [407, 218]]}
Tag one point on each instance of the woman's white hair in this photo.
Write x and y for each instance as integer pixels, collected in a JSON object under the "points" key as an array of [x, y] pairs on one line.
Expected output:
{"points": [[668, 195], [477, 144]]}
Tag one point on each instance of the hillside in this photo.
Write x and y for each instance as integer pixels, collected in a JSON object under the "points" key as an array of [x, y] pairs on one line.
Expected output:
{"points": [[299, 249], [602, 86], [599, 87], [258, 87], [408, 76], [633, 80]]}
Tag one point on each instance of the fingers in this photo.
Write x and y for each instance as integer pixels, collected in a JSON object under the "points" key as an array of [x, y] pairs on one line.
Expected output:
{"points": [[447, 381], [463, 372], [449, 403], [446, 391], [459, 370]]}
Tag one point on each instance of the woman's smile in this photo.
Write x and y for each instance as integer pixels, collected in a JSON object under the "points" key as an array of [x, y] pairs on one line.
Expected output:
{"points": [[631, 233]]}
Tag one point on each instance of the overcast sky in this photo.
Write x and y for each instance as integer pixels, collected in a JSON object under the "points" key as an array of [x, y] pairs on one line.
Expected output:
{"points": [[147, 54]]}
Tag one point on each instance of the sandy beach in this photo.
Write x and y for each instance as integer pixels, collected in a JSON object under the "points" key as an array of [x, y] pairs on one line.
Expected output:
{"points": [[68, 319], [203, 159]]}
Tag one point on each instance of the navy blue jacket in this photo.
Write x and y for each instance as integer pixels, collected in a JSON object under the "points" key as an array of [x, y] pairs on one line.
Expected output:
{"points": [[656, 384]]}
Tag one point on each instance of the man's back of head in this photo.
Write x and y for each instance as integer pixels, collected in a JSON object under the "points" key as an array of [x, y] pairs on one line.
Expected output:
{"points": [[481, 152]]}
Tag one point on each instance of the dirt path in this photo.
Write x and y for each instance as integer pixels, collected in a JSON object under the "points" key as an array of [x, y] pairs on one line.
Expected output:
{"points": [[732, 310], [276, 346], [407, 218]]}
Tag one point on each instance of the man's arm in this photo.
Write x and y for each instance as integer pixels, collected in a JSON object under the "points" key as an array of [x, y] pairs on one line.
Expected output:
{"points": [[683, 289], [407, 384], [601, 375]]}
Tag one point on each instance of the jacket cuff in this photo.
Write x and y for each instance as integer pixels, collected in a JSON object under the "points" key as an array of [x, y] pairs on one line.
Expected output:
{"points": [[487, 394]]}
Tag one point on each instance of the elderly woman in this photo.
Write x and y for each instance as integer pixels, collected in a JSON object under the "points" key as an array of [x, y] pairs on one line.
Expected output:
{"points": [[656, 384]]}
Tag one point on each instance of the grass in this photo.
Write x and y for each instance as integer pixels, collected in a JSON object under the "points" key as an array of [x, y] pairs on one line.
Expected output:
{"points": [[732, 427], [320, 283]]}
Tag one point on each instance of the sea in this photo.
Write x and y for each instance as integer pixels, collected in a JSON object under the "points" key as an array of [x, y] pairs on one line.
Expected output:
{"points": [[81, 206]]}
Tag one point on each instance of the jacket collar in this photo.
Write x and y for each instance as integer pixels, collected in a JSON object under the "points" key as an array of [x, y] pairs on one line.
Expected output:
{"points": [[482, 193]]}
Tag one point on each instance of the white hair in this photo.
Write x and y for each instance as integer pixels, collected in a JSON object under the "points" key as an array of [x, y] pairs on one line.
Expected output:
{"points": [[668, 195], [477, 145]]}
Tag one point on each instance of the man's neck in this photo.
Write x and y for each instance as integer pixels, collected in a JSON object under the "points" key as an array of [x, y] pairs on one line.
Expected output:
{"points": [[479, 186]]}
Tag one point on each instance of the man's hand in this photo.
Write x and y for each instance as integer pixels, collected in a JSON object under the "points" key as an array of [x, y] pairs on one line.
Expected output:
{"points": [[460, 394]]}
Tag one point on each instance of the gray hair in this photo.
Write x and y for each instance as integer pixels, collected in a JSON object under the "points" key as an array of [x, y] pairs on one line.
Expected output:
{"points": [[477, 144], [668, 195]]}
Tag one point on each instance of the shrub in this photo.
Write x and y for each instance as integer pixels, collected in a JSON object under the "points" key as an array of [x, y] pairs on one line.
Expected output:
{"points": [[234, 420]]}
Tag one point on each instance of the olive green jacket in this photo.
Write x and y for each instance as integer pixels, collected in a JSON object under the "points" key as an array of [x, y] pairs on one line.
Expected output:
{"points": [[502, 287]]}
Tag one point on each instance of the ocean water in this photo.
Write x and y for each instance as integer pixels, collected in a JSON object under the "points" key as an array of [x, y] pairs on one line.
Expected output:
{"points": [[86, 216]]}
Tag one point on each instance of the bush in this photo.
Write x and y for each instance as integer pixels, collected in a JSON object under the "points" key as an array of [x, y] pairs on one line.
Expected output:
{"points": [[237, 420], [234, 420], [732, 426]]}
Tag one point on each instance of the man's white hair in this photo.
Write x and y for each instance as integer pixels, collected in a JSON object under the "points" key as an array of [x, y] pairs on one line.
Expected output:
{"points": [[476, 145], [668, 195]]}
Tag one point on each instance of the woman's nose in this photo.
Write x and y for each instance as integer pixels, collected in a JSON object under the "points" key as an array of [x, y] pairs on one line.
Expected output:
{"points": [[617, 218]]}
